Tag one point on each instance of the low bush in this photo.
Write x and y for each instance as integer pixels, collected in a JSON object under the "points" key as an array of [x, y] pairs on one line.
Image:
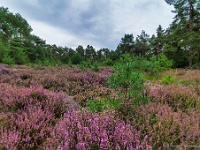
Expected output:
{"points": [[166, 127], [85, 130], [176, 96]]}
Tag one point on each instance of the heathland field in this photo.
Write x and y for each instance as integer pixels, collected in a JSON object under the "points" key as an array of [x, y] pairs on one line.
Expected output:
{"points": [[67, 107]]}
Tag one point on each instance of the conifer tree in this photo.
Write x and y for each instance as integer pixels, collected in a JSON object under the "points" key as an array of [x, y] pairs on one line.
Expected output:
{"points": [[187, 25]]}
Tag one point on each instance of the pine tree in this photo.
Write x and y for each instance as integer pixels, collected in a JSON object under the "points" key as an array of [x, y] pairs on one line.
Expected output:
{"points": [[187, 23]]}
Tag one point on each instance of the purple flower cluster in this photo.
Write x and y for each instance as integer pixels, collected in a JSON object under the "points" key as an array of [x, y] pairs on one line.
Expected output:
{"points": [[40, 109], [35, 118], [83, 130]]}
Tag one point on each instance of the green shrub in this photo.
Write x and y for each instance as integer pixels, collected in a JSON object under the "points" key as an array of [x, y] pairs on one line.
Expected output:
{"points": [[76, 59], [130, 82], [151, 66], [96, 67], [8, 60], [164, 62], [108, 62]]}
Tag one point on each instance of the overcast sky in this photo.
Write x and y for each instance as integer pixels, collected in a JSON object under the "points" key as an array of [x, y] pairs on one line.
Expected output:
{"points": [[100, 23]]}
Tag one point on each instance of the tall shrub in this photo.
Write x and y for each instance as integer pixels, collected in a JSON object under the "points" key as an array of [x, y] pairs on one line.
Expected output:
{"points": [[129, 81]]}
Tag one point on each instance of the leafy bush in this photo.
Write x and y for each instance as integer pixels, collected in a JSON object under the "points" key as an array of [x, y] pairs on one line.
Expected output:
{"points": [[125, 77], [76, 59], [108, 62], [8, 60], [164, 62], [151, 66], [96, 67]]}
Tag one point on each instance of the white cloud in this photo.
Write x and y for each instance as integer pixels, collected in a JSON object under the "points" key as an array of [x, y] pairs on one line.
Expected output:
{"points": [[58, 36]]}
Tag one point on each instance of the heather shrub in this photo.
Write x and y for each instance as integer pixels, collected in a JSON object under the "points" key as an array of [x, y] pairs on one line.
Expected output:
{"points": [[176, 96], [167, 127], [53, 83], [25, 76], [33, 125], [20, 77], [84, 130], [197, 90], [160, 129], [4, 70], [188, 76], [87, 76], [9, 139], [14, 98], [86, 84], [28, 114]]}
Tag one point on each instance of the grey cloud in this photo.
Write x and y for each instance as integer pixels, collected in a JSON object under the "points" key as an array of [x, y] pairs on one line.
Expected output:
{"points": [[102, 22]]}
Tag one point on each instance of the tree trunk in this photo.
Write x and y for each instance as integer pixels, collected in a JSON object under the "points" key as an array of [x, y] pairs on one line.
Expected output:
{"points": [[190, 30]]}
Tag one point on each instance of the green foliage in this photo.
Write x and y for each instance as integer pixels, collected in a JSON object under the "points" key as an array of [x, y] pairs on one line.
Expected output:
{"points": [[125, 77], [46, 62], [85, 64], [169, 79], [76, 59], [96, 67], [152, 119], [155, 65], [196, 66], [108, 62], [8, 60], [141, 100], [100, 105], [152, 78], [19, 56], [126, 45], [164, 62], [183, 35], [18, 45], [142, 46], [152, 66], [4, 51]]}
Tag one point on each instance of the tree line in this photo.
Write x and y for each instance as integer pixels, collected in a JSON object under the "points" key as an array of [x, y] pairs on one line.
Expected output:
{"points": [[179, 42]]}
